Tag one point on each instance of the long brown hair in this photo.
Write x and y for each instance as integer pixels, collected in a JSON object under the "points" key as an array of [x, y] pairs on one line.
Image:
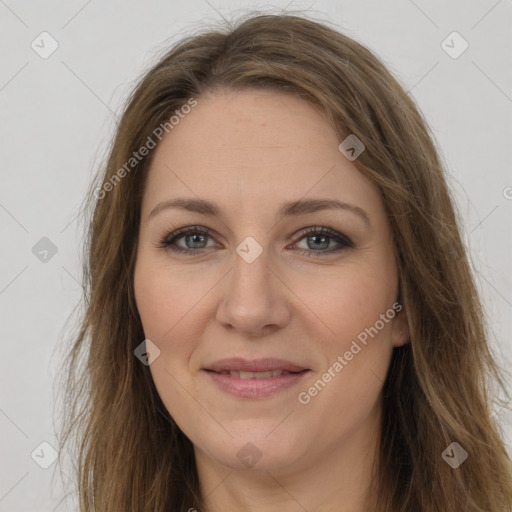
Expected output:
{"points": [[129, 454]]}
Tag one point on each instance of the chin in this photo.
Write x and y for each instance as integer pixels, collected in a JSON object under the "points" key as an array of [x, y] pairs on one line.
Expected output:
{"points": [[250, 453]]}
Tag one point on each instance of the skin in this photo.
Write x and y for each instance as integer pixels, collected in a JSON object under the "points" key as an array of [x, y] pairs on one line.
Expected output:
{"points": [[249, 152]]}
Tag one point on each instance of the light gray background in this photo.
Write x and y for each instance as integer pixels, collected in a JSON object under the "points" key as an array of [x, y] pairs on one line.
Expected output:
{"points": [[57, 115]]}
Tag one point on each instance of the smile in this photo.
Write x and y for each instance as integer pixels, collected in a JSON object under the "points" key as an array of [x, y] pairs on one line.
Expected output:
{"points": [[254, 378]]}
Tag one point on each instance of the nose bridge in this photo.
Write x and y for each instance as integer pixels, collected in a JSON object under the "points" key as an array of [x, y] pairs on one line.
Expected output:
{"points": [[253, 298], [250, 280]]}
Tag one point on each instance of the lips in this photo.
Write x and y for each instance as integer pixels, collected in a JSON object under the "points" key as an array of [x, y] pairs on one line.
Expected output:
{"points": [[260, 378], [258, 368], [255, 375]]}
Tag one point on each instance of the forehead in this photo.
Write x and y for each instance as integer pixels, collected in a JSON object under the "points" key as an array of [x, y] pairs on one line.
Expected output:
{"points": [[251, 125], [238, 145]]}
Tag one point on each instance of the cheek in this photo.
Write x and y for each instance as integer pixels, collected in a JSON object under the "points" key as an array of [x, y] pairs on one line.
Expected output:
{"points": [[345, 302], [165, 301], [170, 305], [356, 313], [165, 297]]}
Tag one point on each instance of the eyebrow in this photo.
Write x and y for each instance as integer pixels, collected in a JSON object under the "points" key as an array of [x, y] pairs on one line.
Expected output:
{"points": [[290, 209]]}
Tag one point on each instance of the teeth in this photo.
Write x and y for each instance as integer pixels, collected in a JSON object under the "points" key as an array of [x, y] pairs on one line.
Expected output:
{"points": [[255, 375]]}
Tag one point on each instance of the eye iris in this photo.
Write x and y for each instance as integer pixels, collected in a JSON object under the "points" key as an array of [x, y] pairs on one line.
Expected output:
{"points": [[194, 236], [324, 238]]}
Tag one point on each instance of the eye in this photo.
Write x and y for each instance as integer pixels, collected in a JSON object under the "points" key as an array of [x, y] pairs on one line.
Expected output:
{"points": [[193, 235], [322, 238], [195, 238]]}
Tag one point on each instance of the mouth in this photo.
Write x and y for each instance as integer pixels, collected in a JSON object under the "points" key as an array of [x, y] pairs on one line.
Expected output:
{"points": [[255, 378], [257, 375], [269, 364]]}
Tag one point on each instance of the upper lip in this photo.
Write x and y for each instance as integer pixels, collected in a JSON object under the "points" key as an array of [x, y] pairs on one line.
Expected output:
{"points": [[254, 365]]}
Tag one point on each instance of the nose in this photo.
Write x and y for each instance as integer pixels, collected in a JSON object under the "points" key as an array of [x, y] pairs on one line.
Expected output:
{"points": [[254, 299]]}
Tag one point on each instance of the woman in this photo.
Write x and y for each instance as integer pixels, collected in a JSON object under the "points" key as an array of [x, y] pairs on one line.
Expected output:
{"points": [[280, 310]]}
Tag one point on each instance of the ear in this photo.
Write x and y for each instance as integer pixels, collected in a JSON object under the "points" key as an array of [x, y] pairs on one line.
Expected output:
{"points": [[400, 329]]}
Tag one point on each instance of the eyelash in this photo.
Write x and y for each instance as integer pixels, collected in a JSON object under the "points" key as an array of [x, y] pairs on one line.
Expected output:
{"points": [[168, 241]]}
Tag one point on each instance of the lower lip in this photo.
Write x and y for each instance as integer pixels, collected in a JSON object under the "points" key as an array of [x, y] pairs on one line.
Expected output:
{"points": [[255, 388]]}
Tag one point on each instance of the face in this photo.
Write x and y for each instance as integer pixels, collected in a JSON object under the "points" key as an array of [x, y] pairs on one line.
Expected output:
{"points": [[275, 316]]}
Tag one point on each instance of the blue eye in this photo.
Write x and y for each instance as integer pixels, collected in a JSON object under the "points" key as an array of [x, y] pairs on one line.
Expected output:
{"points": [[322, 238], [191, 234], [197, 237]]}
